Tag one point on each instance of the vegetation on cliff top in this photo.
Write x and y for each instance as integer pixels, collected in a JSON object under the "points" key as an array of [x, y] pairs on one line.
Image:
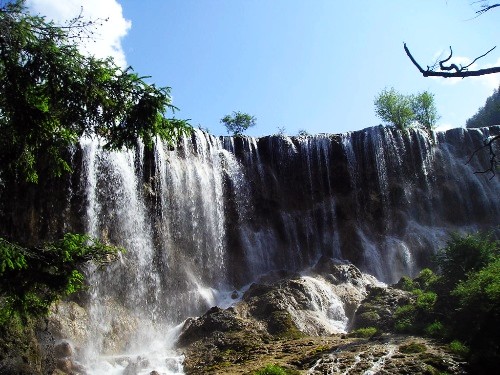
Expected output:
{"points": [[238, 122], [403, 111]]}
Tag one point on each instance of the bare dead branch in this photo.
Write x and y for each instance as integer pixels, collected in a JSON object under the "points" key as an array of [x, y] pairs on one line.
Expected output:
{"points": [[494, 163], [487, 8], [461, 72], [452, 66], [477, 58]]}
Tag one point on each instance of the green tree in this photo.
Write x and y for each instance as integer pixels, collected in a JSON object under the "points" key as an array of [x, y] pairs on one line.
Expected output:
{"points": [[403, 111], [31, 279], [465, 254], [394, 108], [424, 109], [50, 96], [238, 123], [487, 115]]}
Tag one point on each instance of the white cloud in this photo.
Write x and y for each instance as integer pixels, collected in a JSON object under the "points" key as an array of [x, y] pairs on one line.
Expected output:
{"points": [[107, 38]]}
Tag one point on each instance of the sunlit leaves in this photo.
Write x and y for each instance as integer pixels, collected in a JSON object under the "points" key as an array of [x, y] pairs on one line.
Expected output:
{"points": [[32, 278], [403, 111], [238, 122], [51, 95]]}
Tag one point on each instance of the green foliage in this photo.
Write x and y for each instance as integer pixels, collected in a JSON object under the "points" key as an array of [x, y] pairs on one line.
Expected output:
{"points": [[426, 300], [274, 370], [487, 115], [459, 348], [426, 279], [406, 283], [424, 109], [11, 257], [402, 111], [412, 347], [435, 329], [238, 123], [51, 95], [33, 278], [465, 298], [394, 108], [405, 317], [465, 254], [481, 290], [366, 332]]}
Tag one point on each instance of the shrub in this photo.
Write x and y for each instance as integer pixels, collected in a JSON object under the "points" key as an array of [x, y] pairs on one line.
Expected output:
{"points": [[274, 370], [405, 318], [406, 283], [465, 254], [366, 332], [303, 133], [412, 347], [435, 329], [402, 111], [426, 279], [459, 348], [425, 301], [32, 278]]}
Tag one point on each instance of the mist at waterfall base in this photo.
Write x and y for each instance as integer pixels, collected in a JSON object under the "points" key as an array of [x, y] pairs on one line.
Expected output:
{"points": [[203, 220]]}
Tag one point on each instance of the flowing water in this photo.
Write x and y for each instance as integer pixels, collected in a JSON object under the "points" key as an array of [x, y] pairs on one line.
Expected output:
{"points": [[211, 215]]}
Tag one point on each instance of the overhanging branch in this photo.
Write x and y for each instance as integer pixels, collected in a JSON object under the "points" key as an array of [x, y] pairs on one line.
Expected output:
{"points": [[445, 72], [487, 8]]}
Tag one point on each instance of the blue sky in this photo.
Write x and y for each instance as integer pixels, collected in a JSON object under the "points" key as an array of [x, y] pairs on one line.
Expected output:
{"points": [[314, 65]]}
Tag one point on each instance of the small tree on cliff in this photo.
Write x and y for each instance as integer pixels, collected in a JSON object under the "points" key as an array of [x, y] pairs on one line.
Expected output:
{"points": [[238, 123], [394, 108], [402, 111], [50, 96], [424, 109]]}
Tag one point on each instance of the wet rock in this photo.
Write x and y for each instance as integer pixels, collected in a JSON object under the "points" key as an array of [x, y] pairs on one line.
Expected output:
{"points": [[63, 349], [68, 320], [215, 320]]}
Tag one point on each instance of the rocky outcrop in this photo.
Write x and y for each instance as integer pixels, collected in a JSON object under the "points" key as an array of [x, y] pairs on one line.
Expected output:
{"points": [[335, 354], [378, 308], [277, 322], [69, 321], [316, 303]]}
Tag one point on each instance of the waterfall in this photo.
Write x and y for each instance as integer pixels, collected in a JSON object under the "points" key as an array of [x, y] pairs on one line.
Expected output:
{"points": [[202, 220]]}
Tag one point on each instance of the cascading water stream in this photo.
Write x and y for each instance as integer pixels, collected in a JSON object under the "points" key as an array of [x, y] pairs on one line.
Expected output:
{"points": [[211, 215]]}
